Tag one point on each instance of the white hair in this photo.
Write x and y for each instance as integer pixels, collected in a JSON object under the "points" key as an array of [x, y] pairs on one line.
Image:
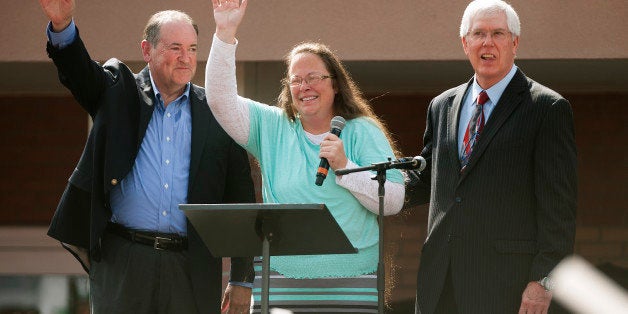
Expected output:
{"points": [[483, 7]]}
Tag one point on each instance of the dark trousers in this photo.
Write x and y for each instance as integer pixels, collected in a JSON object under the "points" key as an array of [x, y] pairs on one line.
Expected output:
{"points": [[136, 278]]}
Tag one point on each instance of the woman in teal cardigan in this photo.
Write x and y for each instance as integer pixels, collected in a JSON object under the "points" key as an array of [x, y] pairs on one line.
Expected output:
{"points": [[289, 140]]}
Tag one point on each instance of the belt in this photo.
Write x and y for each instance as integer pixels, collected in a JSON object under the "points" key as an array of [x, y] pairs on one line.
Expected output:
{"points": [[159, 241]]}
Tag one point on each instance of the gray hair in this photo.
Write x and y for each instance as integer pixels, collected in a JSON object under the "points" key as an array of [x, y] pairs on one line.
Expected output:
{"points": [[483, 7], [153, 26]]}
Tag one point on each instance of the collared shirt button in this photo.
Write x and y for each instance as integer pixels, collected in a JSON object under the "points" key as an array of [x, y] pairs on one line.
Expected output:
{"points": [[164, 213], [167, 161], [458, 199], [167, 138], [114, 181], [168, 114], [166, 185]]}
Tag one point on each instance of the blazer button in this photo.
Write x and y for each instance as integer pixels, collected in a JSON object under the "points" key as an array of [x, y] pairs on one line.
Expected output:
{"points": [[458, 199], [114, 181]]}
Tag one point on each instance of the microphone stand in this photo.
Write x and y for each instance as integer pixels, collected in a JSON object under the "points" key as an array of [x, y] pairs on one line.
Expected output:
{"points": [[380, 169]]}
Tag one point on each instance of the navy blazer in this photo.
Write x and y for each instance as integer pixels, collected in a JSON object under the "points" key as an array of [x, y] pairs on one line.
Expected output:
{"points": [[510, 217], [121, 105]]}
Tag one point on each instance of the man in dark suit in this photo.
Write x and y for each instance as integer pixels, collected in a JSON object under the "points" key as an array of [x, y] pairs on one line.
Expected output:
{"points": [[501, 180], [154, 144]]}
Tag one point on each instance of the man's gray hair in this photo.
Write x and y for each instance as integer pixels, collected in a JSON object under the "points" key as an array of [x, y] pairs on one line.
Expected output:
{"points": [[153, 26]]}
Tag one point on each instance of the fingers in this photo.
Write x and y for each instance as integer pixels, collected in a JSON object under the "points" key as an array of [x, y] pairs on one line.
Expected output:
{"points": [[225, 303], [237, 300], [332, 146], [230, 3], [240, 304], [333, 150], [228, 15], [225, 3], [232, 309], [535, 299], [331, 143], [59, 12]]}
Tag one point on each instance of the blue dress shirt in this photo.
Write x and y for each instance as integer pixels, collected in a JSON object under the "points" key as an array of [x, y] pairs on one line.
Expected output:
{"points": [[148, 197]]}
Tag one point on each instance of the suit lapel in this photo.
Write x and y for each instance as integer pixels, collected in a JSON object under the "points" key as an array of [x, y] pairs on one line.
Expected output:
{"points": [[511, 99], [147, 104], [200, 128], [453, 127], [200, 118]]}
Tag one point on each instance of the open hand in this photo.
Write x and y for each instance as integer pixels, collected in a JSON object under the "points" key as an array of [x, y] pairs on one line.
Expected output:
{"points": [[59, 12], [228, 14]]}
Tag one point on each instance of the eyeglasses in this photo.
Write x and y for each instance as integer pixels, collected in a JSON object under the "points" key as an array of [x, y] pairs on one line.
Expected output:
{"points": [[481, 35], [311, 79]]}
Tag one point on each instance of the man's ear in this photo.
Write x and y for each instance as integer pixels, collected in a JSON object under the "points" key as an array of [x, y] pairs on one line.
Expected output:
{"points": [[515, 45], [465, 45], [146, 49]]}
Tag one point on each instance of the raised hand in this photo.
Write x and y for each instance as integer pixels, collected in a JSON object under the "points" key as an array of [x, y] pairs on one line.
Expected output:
{"points": [[59, 12], [228, 14]]}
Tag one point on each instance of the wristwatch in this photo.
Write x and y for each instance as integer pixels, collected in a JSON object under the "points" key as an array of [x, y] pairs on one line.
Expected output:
{"points": [[547, 283]]}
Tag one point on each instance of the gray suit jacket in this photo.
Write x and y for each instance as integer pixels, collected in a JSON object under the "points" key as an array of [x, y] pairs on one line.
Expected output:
{"points": [[510, 217]]}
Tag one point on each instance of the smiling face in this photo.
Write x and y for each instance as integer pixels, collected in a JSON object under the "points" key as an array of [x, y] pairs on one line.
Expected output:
{"points": [[492, 55], [172, 61], [312, 101]]}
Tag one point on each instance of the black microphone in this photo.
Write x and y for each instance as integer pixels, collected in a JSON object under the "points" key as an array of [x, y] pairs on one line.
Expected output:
{"points": [[409, 163], [337, 124]]}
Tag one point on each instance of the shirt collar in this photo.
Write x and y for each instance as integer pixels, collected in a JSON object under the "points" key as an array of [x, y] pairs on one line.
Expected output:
{"points": [[185, 95], [496, 91]]}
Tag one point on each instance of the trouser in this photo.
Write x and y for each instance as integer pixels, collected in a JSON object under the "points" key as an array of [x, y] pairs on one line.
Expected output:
{"points": [[136, 278]]}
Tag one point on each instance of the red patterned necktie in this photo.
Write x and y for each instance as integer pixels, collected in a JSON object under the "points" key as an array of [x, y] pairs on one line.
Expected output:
{"points": [[474, 128]]}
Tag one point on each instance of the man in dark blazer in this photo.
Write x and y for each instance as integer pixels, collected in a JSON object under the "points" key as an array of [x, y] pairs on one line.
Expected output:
{"points": [[154, 144], [501, 180]]}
